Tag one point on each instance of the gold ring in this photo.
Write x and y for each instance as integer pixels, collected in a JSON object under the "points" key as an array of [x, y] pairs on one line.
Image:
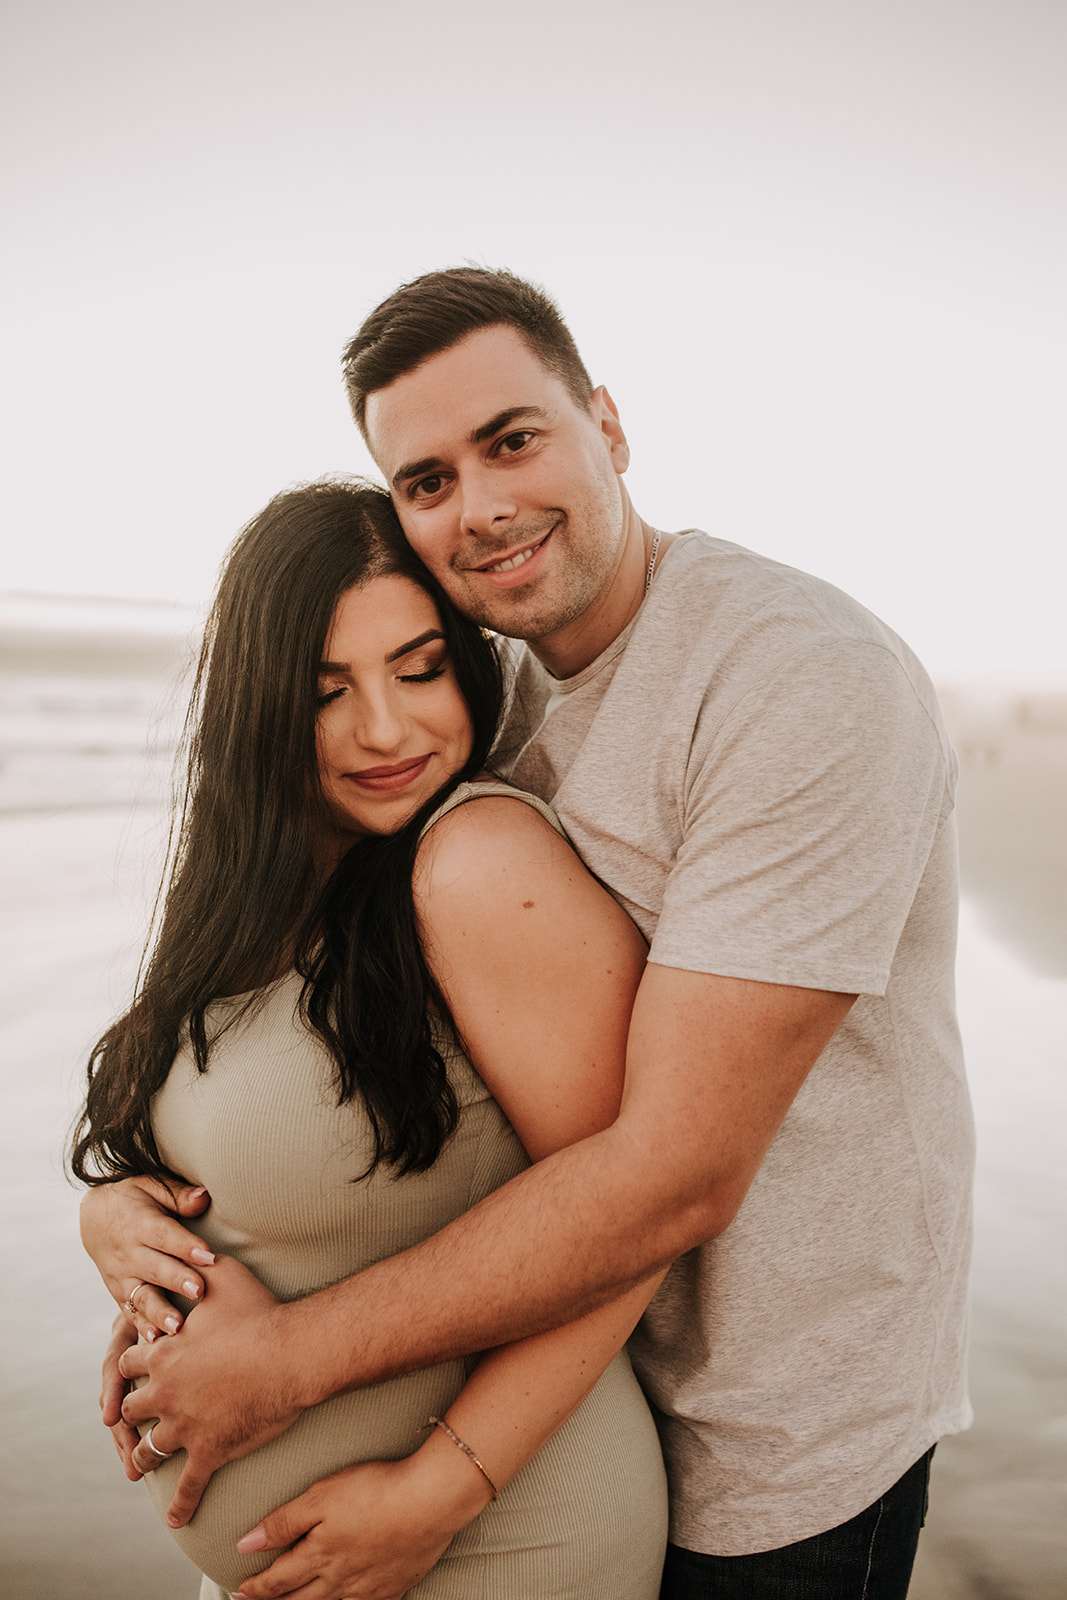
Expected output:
{"points": [[128, 1304]]}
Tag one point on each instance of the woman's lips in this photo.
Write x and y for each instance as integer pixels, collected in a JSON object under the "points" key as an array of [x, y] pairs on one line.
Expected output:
{"points": [[382, 779]]}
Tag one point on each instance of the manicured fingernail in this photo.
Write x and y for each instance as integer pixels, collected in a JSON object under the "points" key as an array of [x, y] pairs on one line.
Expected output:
{"points": [[194, 1194], [191, 1289], [172, 1324], [203, 1258], [256, 1540], [150, 1335]]}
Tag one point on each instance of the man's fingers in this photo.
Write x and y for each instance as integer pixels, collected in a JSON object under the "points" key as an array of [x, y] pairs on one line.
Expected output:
{"points": [[149, 1452], [133, 1363], [191, 1485]]}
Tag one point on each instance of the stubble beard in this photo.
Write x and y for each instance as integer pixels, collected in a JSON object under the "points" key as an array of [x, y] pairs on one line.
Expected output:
{"points": [[523, 613]]}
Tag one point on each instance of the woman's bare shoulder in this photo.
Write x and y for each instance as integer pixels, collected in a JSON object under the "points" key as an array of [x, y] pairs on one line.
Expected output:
{"points": [[485, 838]]}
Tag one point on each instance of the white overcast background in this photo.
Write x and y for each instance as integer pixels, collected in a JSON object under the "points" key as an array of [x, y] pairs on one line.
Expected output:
{"points": [[817, 249]]}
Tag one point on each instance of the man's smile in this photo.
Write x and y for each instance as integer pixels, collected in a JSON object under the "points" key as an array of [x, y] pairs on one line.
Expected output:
{"points": [[504, 566], [513, 561]]}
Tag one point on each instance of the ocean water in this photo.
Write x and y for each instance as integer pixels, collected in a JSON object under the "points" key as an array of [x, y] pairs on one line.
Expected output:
{"points": [[89, 713]]}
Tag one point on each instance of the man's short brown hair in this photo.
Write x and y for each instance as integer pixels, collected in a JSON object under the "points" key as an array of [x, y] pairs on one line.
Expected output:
{"points": [[439, 309]]}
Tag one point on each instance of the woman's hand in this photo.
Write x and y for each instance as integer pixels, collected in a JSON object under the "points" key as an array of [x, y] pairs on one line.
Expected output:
{"points": [[112, 1392], [132, 1233], [370, 1532]]}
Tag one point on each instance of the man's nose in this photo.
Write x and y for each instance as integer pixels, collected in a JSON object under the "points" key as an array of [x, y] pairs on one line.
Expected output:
{"points": [[488, 500]]}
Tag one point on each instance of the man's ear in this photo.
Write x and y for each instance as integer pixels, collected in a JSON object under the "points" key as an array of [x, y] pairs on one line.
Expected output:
{"points": [[606, 416]]}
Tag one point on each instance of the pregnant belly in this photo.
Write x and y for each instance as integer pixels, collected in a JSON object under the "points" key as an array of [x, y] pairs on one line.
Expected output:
{"points": [[381, 1423]]}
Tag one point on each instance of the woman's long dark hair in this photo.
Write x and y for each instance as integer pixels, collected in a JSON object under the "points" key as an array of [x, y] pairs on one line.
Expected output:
{"points": [[245, 894]]}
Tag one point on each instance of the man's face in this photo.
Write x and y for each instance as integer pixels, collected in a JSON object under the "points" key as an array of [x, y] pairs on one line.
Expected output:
{"points": [[507, 489]]}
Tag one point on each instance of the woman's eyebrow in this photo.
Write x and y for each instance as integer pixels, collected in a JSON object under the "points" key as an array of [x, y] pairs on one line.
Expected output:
{"points": [[394, 655], [413, 644]]}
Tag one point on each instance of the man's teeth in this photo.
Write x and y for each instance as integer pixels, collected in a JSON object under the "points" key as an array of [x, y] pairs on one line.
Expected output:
{"points": [[515, 561]]}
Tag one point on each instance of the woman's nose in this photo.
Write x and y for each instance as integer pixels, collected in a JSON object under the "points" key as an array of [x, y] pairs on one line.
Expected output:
{"points": [[379, 723]]}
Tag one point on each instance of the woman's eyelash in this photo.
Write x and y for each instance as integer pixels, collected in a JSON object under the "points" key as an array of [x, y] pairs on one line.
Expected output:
{"points": [[422, 677], [429, 676]]}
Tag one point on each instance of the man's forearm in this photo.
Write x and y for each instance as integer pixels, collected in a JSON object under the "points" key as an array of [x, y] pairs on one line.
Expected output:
{"points": [[714, 1065], [559, 1240]]}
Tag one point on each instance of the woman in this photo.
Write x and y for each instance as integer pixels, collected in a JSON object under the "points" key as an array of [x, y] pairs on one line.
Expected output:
{"points": [[344, 907]]}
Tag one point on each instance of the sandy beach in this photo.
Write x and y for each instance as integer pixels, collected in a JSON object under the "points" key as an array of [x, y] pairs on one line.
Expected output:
{"points": [[79, 832]]}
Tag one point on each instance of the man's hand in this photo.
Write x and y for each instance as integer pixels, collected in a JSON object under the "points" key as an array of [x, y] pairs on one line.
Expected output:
{"points": [[214, 1388], [131, 1232], [370, 1532]]}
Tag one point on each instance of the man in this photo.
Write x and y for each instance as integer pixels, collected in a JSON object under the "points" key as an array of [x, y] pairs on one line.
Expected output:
{"points": [[757, 768]]}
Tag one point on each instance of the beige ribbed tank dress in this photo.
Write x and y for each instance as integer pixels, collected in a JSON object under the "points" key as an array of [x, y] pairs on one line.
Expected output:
{"points": [[261, 1129]]}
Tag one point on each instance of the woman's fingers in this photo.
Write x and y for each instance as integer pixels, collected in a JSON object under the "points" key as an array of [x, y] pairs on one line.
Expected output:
{"points": [[282, 1527], [113, 1391], [269, 1586], [126, 1441], [151, 1312], [283, 1581], [131, 1232], [113, 1383]]}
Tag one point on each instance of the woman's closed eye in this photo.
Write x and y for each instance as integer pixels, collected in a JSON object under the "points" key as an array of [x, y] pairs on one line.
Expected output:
{"points": [[426, 676]]}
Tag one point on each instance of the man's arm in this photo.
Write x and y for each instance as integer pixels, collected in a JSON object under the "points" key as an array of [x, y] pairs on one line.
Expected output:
{"points": [[713, 1064]]}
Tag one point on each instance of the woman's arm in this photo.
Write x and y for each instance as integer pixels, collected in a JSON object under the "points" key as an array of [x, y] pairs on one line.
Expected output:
{"points": [[539, 966]]}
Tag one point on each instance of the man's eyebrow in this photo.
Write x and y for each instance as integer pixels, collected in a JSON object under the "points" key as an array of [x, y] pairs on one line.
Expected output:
{"points": [[503, 419], [394, 655]]}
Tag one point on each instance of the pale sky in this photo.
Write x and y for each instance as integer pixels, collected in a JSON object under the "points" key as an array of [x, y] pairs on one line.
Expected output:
{"points": [[817, 249]]}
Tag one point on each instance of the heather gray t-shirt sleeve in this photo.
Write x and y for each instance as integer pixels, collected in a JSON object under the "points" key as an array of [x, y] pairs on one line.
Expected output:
{"points": [[810, 807]]}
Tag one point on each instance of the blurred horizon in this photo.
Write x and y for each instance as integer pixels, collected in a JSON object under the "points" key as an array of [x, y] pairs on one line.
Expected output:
{"points": [[817, 254]]}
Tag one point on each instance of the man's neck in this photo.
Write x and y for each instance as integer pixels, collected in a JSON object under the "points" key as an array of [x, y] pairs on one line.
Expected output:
{"points": [[572, 648]]}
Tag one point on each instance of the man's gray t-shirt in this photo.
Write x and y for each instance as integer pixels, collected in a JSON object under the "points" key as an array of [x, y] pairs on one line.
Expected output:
{"points": [[758, 770]]}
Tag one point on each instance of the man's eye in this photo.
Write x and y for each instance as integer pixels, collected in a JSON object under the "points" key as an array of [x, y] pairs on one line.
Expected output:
{"points": [[427, 487], [512, 443]]}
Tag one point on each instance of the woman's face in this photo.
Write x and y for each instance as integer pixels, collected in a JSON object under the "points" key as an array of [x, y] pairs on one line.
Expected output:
{"points": [[392, 724]]}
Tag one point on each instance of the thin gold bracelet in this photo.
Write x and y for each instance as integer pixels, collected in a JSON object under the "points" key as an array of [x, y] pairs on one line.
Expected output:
{"points": [[439, 1422]]}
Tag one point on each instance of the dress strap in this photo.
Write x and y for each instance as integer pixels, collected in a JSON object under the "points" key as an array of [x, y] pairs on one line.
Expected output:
{"points": [[485, 788]]}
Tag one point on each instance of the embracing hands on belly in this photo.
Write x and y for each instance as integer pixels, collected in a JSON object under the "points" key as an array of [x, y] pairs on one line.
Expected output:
{"points": [[369, 1532], [214, 1387]]}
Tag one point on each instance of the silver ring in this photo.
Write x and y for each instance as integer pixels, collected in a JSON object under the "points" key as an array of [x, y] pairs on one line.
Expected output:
{"points": [[164, 1455]]}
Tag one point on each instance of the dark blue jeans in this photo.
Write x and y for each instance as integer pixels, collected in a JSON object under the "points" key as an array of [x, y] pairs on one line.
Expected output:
{"points": [[868, 1558]]}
